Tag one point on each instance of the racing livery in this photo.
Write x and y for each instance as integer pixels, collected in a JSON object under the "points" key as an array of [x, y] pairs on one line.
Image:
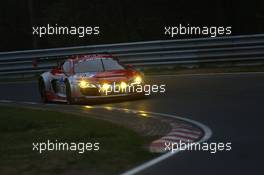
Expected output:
{"points": [[88, 77]]}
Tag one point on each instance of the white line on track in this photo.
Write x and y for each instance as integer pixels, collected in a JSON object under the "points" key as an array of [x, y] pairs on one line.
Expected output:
{"points": [[207, 134]]}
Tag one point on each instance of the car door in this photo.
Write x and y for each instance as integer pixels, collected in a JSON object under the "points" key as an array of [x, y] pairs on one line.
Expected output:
{"points": [[58, 81]]}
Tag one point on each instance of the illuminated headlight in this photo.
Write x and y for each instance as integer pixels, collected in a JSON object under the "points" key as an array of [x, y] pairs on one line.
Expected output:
{"points": [[123, 85], [137, 80], [85, 84]]}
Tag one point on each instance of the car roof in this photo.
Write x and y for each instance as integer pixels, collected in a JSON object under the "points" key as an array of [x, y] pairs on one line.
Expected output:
{"points": [[78, 58]]}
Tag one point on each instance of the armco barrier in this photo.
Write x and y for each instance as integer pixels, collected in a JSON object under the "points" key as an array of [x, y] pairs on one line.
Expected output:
{"points": [[247, 48]]}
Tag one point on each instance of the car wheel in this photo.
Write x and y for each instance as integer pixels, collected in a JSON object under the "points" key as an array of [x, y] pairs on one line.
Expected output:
{"points": [[68, 93], [42, 91]]}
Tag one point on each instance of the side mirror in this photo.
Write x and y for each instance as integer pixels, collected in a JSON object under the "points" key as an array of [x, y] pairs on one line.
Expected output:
{"points": [[56, 70]]}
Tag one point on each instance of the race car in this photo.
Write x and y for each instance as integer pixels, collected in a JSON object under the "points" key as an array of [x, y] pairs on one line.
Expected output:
{"points": [[85, 77]]}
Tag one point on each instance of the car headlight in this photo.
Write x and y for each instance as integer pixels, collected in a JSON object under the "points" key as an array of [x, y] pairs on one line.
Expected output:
{"points": [[85, 84], [137, 80], [123, 85]]}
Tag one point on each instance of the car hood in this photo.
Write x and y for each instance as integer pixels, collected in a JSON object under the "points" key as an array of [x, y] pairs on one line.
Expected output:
{"points": [[107, 76]]}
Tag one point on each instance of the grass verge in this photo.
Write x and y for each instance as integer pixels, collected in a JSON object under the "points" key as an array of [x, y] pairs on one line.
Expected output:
{"points": [[120, 148]]}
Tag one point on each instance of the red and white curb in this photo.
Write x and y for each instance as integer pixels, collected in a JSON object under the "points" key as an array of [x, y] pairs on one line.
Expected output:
{"points": [[181, 129], [204, 134], [180, 132], [186, 131]]}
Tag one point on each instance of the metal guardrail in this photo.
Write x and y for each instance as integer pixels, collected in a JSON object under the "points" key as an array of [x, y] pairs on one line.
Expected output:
{"points": [[247, 48]]}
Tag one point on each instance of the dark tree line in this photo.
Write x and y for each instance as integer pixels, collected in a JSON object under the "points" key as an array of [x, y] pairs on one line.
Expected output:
{"points": [[120, 20]]}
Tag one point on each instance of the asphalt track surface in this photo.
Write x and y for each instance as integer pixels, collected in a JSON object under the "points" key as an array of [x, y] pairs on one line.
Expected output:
{"points": [[232, 105]]}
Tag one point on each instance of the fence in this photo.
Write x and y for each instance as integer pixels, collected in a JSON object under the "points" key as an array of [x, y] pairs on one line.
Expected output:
{"points": [[247, 49]]}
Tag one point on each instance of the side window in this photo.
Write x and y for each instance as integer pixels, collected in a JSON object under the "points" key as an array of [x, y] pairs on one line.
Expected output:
{"points": [[66, 67], [111, 64]]}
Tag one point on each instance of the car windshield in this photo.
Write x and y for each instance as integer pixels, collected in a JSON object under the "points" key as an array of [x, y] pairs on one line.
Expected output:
{"points": [[88, 66], [110, 64]]}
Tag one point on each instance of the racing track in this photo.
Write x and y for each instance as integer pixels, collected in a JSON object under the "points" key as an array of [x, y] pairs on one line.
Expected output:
{"points": [[232, 105]]}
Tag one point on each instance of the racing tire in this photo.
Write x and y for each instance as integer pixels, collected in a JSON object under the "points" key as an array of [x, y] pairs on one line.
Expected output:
{"points": [[68, 93], [42, 91]]}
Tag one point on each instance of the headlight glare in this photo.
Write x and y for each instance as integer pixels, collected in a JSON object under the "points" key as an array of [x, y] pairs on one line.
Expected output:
{"points": [[105, 86], [123, 85], [85, 84], [137, 80]]}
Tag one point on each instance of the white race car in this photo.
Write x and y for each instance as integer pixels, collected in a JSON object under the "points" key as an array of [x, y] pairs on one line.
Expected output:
{"points": [[89, 77]]}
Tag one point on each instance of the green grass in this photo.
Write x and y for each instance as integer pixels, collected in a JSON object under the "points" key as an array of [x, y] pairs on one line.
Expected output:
{"points": [[120, 148]]}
